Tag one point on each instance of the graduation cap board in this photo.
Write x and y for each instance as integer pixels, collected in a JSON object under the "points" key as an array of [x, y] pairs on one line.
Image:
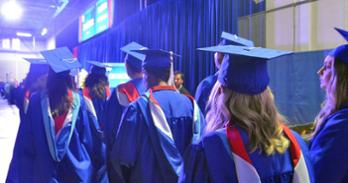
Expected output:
{"points": [[157, 58], [38, 66], [134, 59], [129, 49], [61, 59], [233, 39], [341, 52], [98, 67], [36, 60], [343, 33], [98, 64], [102, 67], [246, 69]]}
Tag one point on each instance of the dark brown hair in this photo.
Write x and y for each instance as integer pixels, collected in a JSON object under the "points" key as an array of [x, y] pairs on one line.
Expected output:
{"points": [[158, 74], [97, 84], [58, 86]]}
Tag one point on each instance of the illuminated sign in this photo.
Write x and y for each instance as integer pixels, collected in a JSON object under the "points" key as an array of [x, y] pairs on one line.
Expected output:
{"points": [[96, 19]]}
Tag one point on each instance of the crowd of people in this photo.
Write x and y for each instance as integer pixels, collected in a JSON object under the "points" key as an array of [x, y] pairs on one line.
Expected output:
{"points": [[150, 129]]}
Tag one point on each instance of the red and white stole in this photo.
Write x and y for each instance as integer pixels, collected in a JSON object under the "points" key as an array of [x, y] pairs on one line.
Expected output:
{"points": [[127, 93], [245, 170]]}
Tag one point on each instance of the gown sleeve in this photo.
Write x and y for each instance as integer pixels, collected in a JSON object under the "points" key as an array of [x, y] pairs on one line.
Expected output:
{"points": [[328, 150], [22, 161], [91, 136], [123, 153], [113, 114], [195, 166]]}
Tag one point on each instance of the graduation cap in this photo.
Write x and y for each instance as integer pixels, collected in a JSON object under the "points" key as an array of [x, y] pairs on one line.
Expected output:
{"points": [[233, 39], [134, 59], [36, 61], [61, 59], [38, 66], [157, 58], [343, 33], [99, 67], [341, 52], [246, 69]]}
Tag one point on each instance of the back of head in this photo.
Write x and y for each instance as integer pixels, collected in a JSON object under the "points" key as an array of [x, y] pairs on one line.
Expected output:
{"points": [[97, 84], [241, 97], [158, 66], [256, 114], [36, 73], [341, 72], [59, 82], [133, 59], [58, 87], [133, 64], [98, 70], [153, 77]]}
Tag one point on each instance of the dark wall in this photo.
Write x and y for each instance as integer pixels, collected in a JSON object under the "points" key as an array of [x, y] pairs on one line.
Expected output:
{"points": [[69, 36]]}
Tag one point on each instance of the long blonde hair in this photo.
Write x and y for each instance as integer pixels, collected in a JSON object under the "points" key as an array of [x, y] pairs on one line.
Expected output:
{"points": [[257, 114], [336, 92]]}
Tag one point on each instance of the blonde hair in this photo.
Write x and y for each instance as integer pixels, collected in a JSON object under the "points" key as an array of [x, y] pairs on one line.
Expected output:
{"points": [[336, 92], [256, 114]]}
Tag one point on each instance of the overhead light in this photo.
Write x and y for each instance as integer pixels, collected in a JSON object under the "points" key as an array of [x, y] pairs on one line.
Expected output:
{"points": [[11, 10], [23, 34], [44, 31]]}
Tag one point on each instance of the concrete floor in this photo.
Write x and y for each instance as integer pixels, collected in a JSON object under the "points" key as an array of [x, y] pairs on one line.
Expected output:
{"points": [[9, 123]]}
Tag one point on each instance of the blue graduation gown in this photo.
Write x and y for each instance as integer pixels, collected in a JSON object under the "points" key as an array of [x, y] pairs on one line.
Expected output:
{"points": [[19, 95], [115, 108], [113, 114], [44, 157], [95, 110], [212, 161], [328, 149], [100, 107], [203, 91], [137, 154]]}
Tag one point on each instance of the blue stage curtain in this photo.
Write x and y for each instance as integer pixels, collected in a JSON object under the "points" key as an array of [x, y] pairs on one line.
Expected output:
{"points": [[180, 26]]}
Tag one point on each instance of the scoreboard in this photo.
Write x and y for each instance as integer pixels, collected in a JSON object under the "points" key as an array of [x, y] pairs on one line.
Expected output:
{"points": [[96, 19]]}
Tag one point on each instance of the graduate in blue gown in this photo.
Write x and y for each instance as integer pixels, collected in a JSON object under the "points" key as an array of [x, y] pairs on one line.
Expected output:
{"points": [[96, 91], [56, 139], [124, 94], [329, 145], [34, 81], [245, 137], [157, 128], [206, 85]]}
